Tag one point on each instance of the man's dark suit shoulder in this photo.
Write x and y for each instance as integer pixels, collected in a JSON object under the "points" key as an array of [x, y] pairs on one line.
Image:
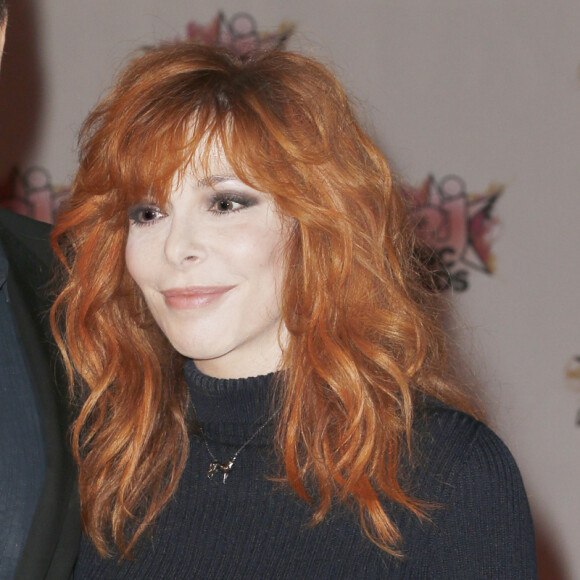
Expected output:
{"points": [[32, 234], [50, 550]]}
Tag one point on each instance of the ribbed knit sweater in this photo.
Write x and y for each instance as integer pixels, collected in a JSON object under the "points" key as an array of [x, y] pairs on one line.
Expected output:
{"points": [[252, 527]]}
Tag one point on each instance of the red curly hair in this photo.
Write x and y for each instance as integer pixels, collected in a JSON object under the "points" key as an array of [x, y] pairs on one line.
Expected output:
{"points": [[363, 336]]}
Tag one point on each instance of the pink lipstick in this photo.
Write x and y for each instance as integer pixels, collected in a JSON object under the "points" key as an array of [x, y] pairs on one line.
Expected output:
{"points": [[194, 296]]}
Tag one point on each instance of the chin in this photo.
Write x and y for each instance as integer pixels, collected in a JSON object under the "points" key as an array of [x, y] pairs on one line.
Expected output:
{"points": [[196, 353]]}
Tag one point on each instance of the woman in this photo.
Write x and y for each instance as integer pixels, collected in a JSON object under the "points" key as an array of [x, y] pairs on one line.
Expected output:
{"points": [[259, 372]]}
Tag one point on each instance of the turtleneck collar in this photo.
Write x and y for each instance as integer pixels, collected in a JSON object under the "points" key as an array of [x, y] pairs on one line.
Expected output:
{"points": [[230, 410]]}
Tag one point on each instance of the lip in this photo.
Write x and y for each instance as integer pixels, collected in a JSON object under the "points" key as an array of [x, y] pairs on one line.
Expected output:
{"points": [[193, 297]]}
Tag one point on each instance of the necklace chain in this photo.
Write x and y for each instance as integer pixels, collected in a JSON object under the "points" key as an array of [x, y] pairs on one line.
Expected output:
{"points": [[225, 468]]}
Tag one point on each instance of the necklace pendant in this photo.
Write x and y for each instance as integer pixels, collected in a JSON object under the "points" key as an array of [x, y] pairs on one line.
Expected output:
{"points": [[216, 466], [225, 468]]}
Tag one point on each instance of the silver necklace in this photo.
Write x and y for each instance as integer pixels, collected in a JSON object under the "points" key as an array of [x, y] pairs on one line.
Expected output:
{"points": [[226, 468]]}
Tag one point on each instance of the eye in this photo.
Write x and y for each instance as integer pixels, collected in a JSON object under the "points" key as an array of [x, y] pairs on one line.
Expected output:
{"points": [[222, 203], [142, 215]]}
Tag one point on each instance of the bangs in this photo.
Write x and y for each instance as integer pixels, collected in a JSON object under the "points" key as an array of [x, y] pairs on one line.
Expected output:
{"points": [[267, 119], [152, 163], [153, 169], [159, 145]]}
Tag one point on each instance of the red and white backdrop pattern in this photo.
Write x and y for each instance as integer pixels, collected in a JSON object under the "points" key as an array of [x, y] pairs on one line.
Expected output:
{"points": [[478, 107]]}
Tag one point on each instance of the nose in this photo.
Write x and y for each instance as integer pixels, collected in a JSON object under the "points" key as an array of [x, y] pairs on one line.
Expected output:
{"points": [[184, 242]]}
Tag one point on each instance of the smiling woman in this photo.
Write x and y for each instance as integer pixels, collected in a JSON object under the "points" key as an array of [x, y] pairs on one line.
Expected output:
{"points": [[241, 298]]}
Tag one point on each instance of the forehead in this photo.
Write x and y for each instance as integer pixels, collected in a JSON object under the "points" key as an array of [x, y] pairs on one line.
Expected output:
{"points": [[207, 167], [208, 160]]}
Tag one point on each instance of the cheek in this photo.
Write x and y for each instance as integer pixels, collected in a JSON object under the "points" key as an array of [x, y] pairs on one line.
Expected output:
{"points": [[261, 252], [132, 259], [270, 267], [141, 257]]}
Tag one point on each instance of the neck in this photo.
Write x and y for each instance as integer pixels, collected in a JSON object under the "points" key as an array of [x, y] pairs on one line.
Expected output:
{"points": [[262, 359], [231, 369], [230, 409]]}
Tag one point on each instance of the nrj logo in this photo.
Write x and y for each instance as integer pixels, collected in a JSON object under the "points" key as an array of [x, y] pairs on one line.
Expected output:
{"points": [[458, 226], [239, 33]]}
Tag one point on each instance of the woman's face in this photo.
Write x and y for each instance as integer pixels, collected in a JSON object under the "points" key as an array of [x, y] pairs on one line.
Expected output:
{"points": [[210, 266]]}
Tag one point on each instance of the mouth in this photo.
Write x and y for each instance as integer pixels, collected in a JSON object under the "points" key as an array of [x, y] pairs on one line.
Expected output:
{"points": [[193, 297]]}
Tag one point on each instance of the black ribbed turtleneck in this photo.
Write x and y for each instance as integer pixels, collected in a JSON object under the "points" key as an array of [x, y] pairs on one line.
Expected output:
{"points": [[253, 528]]}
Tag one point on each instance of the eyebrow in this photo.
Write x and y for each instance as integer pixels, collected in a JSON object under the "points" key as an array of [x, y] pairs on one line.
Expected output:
{"points": [[215, 179]]}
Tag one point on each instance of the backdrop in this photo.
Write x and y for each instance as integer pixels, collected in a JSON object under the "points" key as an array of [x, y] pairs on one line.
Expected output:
{"points": [[477, 104]]}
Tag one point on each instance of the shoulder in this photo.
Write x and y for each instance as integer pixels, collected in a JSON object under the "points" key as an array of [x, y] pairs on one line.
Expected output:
{"points": [[446, 435], [481, 524], [20, 234], [26, 246], [458, 456]]}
